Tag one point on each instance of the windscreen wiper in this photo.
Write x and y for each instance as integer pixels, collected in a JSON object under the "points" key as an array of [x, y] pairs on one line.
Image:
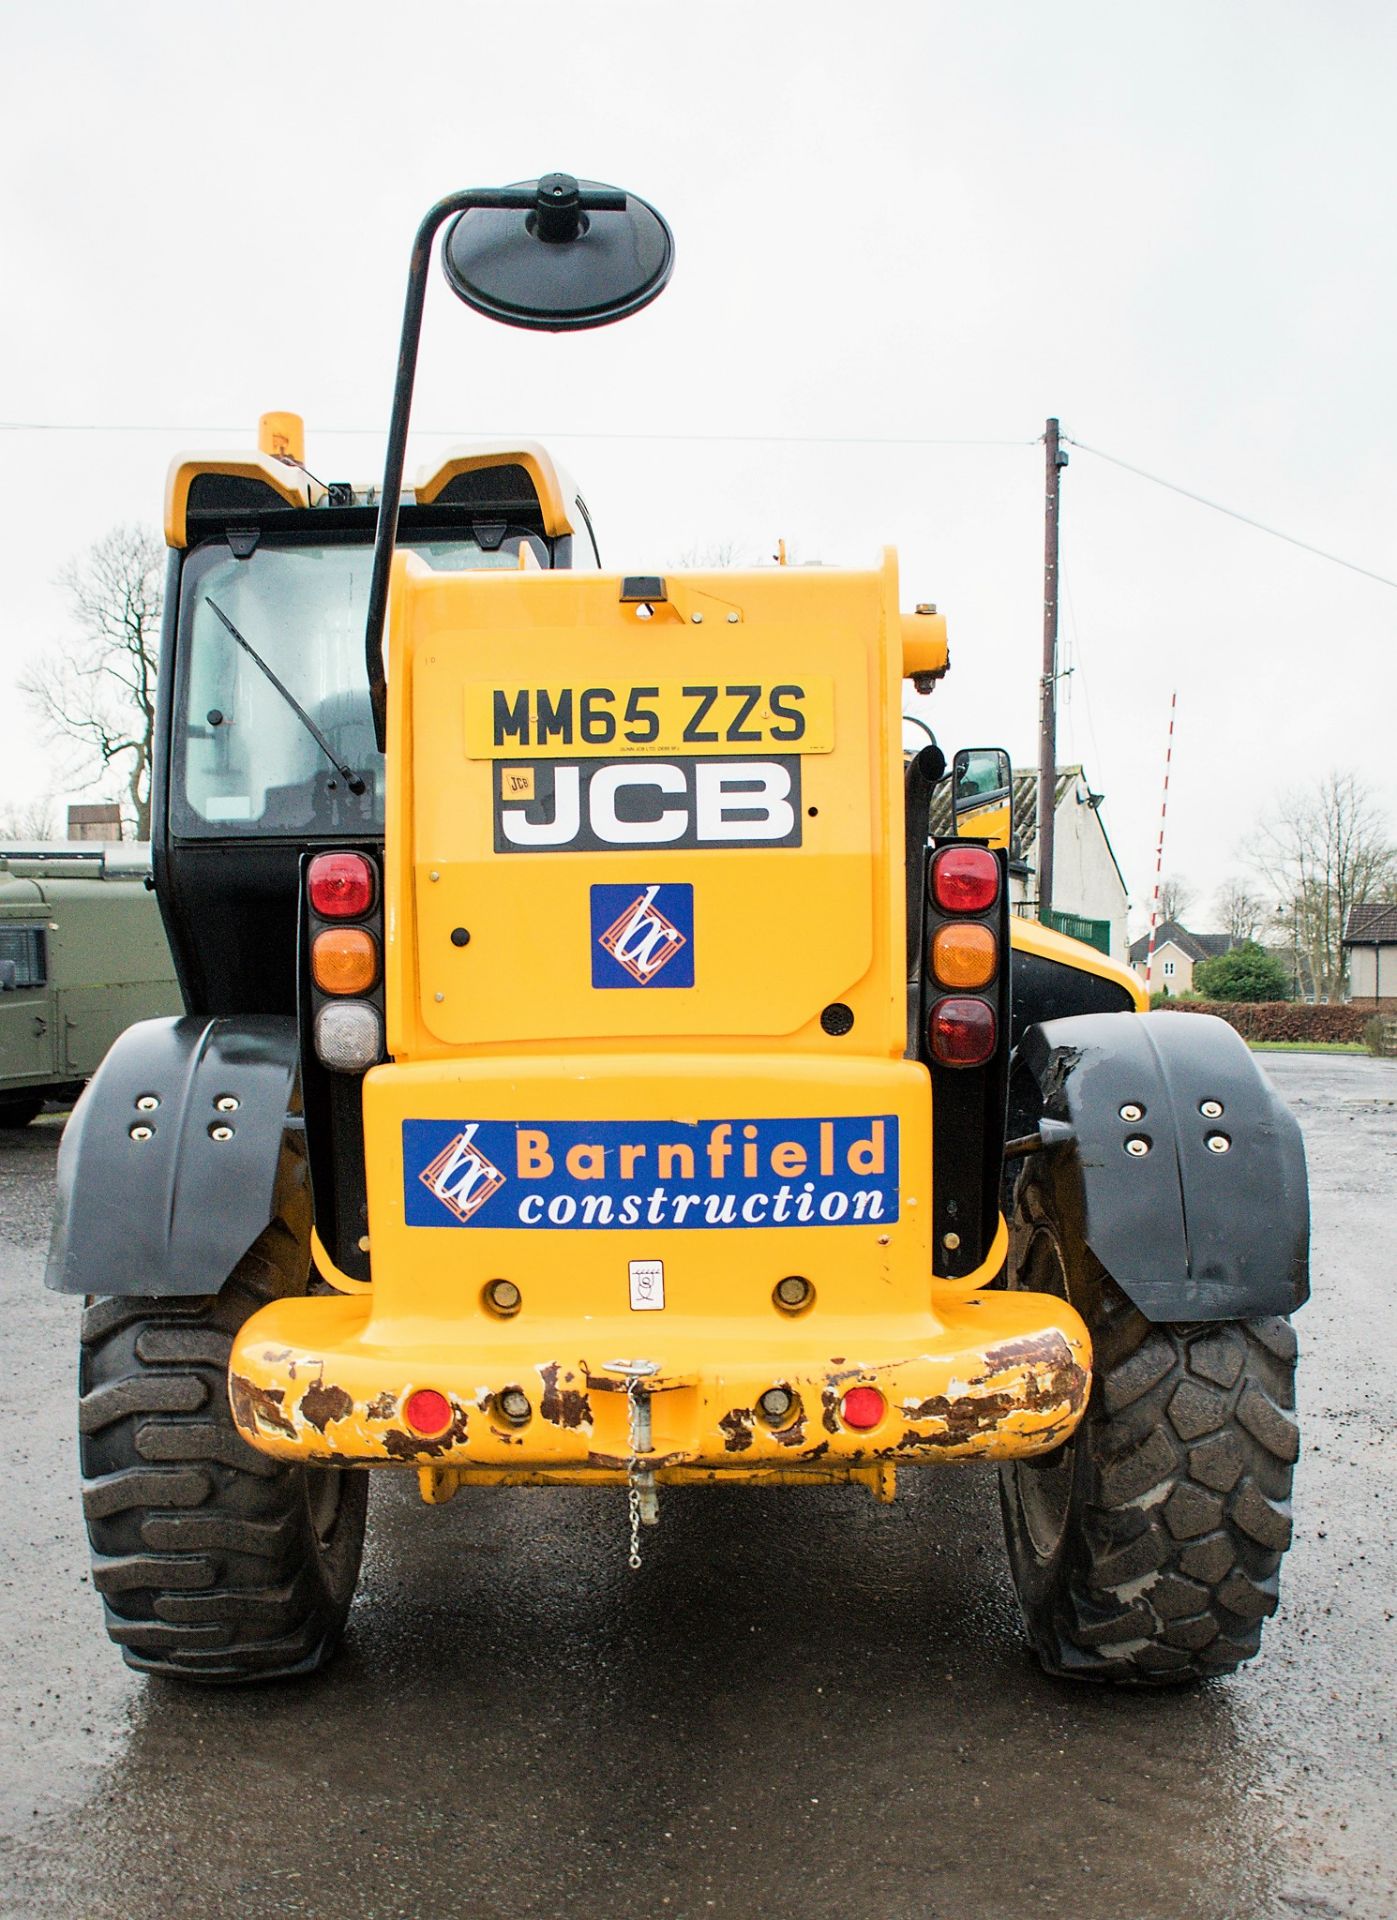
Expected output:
{"points": [[354, 781]]}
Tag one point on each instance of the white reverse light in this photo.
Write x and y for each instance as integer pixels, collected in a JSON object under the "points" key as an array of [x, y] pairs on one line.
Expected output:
{"points": [[349, 1035]]}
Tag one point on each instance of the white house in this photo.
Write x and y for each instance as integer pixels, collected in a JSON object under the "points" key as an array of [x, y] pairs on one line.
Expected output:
{"points": [[1371, 939], [1176, 953], [1087, 883]]}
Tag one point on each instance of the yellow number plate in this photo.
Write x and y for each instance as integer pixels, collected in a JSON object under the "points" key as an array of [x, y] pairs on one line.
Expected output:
{"points": [[505, 722]]}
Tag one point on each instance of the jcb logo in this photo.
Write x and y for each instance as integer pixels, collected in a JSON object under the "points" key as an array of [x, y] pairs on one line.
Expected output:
{"points": [[589, 806]]}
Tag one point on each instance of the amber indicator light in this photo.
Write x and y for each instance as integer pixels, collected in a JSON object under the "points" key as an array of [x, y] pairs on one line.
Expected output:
{"points": [[964, 954], [344, 960]]}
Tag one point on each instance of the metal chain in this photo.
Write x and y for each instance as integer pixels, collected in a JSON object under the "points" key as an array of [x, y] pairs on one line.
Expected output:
{"points": [[632, 1489], [633, 1503], [640, 1490]]}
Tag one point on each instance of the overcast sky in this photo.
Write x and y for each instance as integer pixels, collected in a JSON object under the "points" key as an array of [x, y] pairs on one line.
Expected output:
{"points": [[906, 233]]}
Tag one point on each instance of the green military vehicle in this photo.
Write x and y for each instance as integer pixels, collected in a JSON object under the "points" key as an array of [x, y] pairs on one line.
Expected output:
{"points": [[82, 957]]}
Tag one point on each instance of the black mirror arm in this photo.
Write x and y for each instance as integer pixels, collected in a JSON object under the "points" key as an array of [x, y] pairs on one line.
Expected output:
{"points": [[386, 532]]}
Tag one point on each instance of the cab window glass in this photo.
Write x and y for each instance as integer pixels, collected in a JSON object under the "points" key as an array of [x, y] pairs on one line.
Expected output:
{"points": [[245, 762]]}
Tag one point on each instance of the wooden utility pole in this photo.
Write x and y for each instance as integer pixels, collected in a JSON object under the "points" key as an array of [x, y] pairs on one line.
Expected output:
{"points": [[1047, 703]]}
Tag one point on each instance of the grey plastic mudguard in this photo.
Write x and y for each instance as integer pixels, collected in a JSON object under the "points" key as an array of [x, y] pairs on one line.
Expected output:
{"points": [[172, 1212], [1186, 1231]]}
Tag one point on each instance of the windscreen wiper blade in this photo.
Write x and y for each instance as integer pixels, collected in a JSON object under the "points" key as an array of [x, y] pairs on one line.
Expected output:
{"points": [[354, 781]]}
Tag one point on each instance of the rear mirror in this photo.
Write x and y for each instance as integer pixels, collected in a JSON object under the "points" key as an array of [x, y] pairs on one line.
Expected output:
{"points": [[982, 795], [558, 254]]}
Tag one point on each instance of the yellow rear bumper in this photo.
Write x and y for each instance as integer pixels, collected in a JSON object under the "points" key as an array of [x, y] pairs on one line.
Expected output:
{"points": [[991, 1376]]}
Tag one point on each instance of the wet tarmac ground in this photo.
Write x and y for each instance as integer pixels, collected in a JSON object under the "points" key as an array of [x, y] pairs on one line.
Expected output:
{"points": [[802, 1705]]}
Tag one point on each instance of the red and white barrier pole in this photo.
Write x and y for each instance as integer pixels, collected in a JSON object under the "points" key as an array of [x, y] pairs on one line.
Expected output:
{"points": [[1159, 849]]}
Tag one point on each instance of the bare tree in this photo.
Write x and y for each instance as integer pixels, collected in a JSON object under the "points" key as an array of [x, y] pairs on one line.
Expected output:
{"points": [[1241, 913], [99, 694], [28, 820], [1176, 896], [1323, 851]]}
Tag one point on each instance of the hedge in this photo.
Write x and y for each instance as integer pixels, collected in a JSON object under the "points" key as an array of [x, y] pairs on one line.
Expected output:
{"points": [[1282, 1019]]}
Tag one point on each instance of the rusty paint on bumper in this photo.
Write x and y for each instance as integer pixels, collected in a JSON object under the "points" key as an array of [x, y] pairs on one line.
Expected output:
{"points": [[991, 1377]]}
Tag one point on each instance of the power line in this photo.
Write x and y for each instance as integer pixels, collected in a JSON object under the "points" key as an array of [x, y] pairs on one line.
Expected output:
{"points": [[484, 433], [1232, 514]]}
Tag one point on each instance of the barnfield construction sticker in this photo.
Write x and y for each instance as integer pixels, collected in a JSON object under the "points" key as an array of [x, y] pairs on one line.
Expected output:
{"points": [[599, 1174]]}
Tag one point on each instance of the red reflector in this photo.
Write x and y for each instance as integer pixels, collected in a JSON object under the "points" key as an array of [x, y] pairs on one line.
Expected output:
{"points": [[341, 885], [427, 1411], [964, 879], [961, 1033], [862, 1407]]}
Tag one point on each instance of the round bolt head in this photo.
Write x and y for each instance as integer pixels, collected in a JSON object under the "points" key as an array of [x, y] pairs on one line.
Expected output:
{"points": [[147, 1103], [1137, 1145], [776, 1403], [142, 1133], [1218, 1143], [697, 619], [793, 1291], [513, 1404], [1132, 1110], [1210, 1109], [950, 1241], [227, 1103], [503, 1295], [220, 1133], [732, 619]]}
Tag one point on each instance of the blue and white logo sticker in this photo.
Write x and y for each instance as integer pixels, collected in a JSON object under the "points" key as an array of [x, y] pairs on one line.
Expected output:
{"points": [[643, 936], [840, 1172]]}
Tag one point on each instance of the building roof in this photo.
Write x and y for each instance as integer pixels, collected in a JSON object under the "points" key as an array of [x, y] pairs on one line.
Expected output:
{"points": [[1194, 946], [1374, 924]]}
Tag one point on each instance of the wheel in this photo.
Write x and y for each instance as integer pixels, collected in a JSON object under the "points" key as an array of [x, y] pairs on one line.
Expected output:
{"points": [[1147, 1549], [18, 1109], [214, 1562]]}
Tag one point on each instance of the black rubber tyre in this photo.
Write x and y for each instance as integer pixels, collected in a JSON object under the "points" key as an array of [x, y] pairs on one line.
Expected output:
{"points": [[18, 1109], [1148, 1548], [214, 1562]]}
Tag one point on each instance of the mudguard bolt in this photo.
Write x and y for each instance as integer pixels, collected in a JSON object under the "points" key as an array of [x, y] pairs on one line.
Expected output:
{"points": [[1218, 1143], [1132, 1110], [226, 1103], [1210, 1109], [220, 1133], [1138, 1145], [142, 1133], [147, 1103]]}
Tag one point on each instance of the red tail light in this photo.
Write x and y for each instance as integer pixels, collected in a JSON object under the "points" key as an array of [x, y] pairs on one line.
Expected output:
{"points": [[964, 879], [427, 1411], [961, 1033], [862, 1408], [341, 885]]}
